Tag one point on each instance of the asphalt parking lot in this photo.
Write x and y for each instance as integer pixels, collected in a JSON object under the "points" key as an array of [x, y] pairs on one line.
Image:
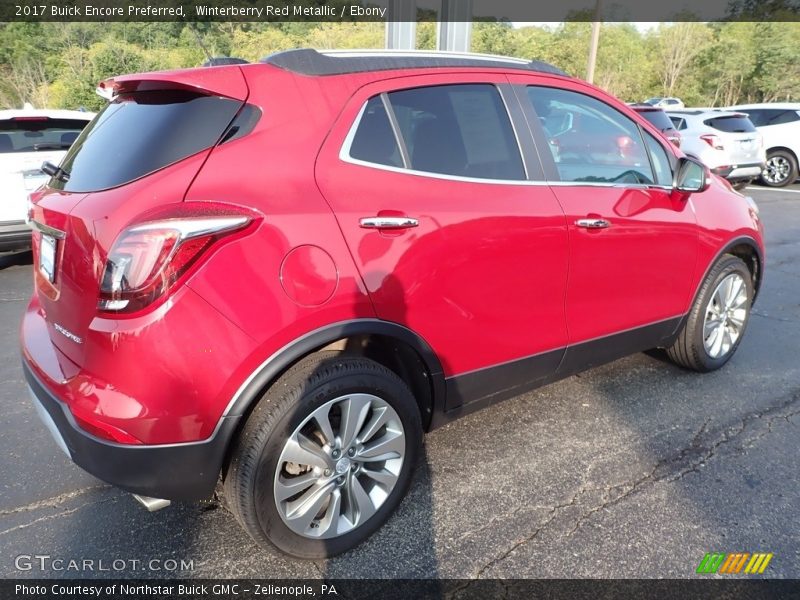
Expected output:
{"points": [[634, 469]]}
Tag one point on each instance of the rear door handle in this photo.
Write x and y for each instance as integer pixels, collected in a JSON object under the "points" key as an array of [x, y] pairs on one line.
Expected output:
{"points": [[388, 222], [593, 223]]}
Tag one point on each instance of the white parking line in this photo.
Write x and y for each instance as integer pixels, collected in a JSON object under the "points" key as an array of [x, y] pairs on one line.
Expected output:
{"points": [[769, 189]]}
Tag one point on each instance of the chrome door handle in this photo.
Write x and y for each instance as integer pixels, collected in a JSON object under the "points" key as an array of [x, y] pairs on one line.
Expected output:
{"points": [[593, 223], [388, 222]]}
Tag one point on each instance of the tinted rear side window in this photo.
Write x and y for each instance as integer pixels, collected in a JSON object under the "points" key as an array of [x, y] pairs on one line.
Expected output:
{"points": [[140, 133], [658, 118], [461, 130], [374, 140], [34, 134], [731, 124]]}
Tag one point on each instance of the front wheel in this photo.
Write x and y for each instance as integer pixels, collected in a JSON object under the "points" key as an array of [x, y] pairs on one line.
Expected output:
{"points": [[325, 457], [717, 321], [780, 169]]}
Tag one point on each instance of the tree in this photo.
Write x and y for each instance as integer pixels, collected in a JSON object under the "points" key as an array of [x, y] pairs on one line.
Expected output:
{"points": [[678, 45]]}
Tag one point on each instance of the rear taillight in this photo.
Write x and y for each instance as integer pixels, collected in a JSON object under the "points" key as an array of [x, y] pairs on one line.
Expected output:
{"points": [[148, 258], [713, 141]]}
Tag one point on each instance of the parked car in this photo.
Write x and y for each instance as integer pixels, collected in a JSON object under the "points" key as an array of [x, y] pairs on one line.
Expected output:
{"points": [[660, 120], [665, 103], [287, 298], [27, 139], [727, 142], [779, 123]]}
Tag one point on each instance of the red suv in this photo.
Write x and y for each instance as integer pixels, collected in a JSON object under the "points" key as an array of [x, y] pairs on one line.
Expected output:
{"points": [[279, 275]]}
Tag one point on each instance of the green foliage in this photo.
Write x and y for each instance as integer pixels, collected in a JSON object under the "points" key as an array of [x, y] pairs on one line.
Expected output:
{"points": [[706, 64]]}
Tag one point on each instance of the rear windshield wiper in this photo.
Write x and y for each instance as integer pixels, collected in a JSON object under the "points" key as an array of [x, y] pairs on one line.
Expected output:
{"points": [[54, 171], [51, 146]]}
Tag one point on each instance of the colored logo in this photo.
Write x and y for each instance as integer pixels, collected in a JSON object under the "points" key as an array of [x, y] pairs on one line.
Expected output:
{"points": [[735, 563]]}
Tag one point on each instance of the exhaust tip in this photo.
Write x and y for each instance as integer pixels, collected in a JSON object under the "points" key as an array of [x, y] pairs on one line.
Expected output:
{"points": [[152, 504]]}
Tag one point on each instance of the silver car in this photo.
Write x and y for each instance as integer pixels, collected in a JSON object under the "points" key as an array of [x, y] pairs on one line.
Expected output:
{"points": [[726, 142], [29, 137]]}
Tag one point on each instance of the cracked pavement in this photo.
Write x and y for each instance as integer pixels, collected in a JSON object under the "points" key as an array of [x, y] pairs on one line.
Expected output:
{"points": [[633, 469]]}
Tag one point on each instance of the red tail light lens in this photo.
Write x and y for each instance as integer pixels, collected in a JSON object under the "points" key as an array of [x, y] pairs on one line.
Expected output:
{"points": [[147, 259], [713, 141]]}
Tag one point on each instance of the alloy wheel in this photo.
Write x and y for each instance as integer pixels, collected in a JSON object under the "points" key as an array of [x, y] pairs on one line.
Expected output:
{"points": [[725, 317], [339, 466], [777, 170]]}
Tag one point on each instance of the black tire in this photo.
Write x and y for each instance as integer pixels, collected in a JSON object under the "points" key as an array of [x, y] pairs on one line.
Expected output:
{"points": [[740, 185], [791, 176], [248, 480], [688, 350]]}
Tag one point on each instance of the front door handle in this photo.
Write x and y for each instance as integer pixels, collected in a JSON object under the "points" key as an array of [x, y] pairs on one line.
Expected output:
{"points": [[388, 222], [593, 223]]}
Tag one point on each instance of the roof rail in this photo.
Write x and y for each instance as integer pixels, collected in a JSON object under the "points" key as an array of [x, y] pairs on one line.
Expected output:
{"points": [[220, 61], [307, 61]]}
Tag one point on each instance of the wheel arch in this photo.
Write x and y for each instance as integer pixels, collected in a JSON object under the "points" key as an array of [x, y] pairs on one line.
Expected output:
{"points": [[783, 149], [391, 344], [746, 248]]}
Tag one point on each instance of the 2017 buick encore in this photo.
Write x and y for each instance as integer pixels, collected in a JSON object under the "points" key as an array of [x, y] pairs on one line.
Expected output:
{"points": [[277, 276]]}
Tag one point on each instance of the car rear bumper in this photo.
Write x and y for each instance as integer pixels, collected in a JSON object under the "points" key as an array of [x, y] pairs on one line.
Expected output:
{"points": [[185, 471], [14, 235], [734, 172]]}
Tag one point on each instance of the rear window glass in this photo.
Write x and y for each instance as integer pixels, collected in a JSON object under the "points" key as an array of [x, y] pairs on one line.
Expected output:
{"points": [[762, 118], [35, 134], [731, 124], [658, 118], [140, 133]]}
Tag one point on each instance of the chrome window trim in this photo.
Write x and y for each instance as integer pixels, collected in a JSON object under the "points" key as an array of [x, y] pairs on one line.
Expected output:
{"points": [[344, 156], [344, 152]]}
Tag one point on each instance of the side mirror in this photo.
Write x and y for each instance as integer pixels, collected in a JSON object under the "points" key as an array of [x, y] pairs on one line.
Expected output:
{"points": [[691, 176]]}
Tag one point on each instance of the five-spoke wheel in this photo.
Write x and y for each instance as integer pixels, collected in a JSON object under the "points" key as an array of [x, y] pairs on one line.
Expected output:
{"points": [[325, 457]]}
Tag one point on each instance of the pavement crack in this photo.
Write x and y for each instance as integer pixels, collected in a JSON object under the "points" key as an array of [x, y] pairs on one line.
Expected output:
{"points": [[52, 502], [703, 447], [318, 568], [773, 318], [553, 515], [57, 515]]}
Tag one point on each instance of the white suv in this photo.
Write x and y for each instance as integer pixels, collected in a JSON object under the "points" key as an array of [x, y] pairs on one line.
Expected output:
{"points": [[779, 123], [665, 103], [27, 139], [726, 142]]}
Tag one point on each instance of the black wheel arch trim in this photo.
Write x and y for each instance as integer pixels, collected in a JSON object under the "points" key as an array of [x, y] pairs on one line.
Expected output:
{"points": [[272, 368], [737, 241], [726, 249]]}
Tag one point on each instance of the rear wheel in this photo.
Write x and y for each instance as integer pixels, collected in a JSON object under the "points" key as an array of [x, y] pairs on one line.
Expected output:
{"points": [[718, 318], [780, 169], [325, 457]]}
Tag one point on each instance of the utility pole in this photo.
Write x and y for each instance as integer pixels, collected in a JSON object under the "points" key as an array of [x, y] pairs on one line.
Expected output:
{"points": [[594, 42]]}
